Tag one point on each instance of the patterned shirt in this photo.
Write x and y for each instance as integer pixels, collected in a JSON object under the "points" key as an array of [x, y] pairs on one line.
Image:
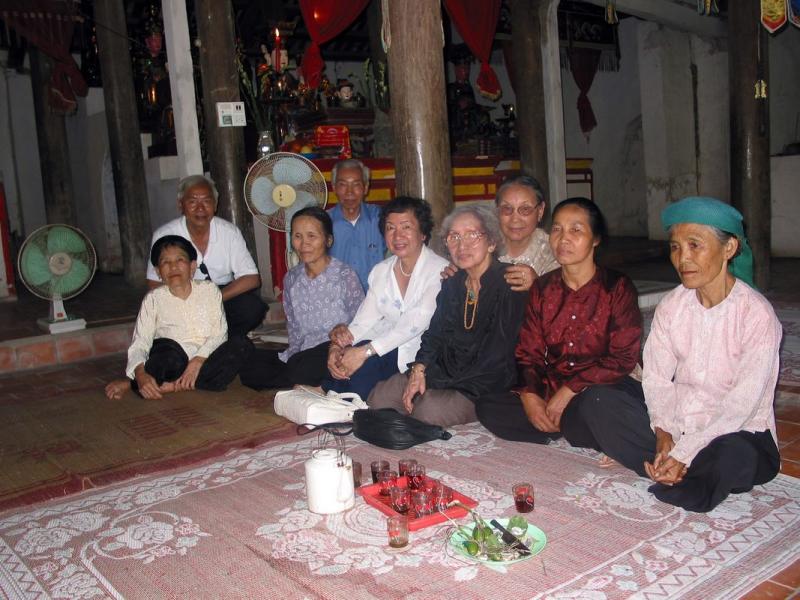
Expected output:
{"points": [[579, 338], [315, 306], [197, 323], [538, 255], [711, 371]]}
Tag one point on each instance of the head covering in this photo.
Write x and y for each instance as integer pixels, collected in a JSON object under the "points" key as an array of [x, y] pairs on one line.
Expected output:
{"points": [[713, 212]]}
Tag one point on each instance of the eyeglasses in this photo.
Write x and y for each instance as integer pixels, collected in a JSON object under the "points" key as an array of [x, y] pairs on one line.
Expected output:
{"points": [[526, 210], [204, 270], [470, 238]]}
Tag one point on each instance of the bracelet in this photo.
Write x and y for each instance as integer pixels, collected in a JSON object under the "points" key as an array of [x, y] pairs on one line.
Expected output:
{"points": [[421, 368]]}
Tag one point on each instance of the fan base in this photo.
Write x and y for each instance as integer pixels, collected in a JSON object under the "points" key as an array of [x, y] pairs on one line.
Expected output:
{"points": [[61, 326]]}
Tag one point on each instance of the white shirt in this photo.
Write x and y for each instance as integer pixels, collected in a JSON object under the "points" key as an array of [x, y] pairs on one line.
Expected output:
{"points": [[197, 323], [711, 371], [392, 321], [226, 258]]}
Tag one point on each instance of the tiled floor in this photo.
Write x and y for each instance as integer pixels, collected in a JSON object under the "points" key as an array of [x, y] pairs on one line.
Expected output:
{"points": [[109, 300]]}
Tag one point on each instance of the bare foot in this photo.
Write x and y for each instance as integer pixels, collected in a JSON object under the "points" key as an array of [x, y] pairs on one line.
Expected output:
{"points": [[117, 388], [606, 462]]}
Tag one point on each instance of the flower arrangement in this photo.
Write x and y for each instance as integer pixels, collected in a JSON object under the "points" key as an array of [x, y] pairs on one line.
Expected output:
{"points": [[255, 83]]}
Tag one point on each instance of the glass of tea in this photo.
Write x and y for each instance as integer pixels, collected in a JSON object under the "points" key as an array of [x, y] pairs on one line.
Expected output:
{"points": [[416, 476], [401, 499], [523, 497], [404, 465], [377, 466], [397, 528], [356, 474], [388, 480], [421, 503]]}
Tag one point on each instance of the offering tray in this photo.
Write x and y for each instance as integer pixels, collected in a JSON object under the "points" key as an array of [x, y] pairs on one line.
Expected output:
{"points": [[372, 496], [534, 538]]}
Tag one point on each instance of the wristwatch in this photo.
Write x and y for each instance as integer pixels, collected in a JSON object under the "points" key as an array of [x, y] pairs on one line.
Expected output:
{"points": [[370, 351]]}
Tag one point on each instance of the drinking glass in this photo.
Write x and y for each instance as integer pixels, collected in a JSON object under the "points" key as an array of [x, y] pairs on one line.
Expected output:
{"points": [[397, 528], [404, 465], [388, 480], [445, 498], [523, 497], [416, 476], [421, 502], [401, 499], [377, 466], [356, 474]]}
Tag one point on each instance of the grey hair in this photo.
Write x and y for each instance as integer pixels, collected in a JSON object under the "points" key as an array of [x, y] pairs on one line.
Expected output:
{"points": [[488, 220], [192, 180], [722, 236], [526, 181], [350, 163]]}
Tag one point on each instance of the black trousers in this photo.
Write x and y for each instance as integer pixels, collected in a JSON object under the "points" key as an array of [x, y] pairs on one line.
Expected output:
{"points": [[244, 312], [167, 361], [613, 419], [265, 370]]}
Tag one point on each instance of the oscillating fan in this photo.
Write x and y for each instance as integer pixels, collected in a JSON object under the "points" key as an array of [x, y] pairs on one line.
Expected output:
{"points": [[280, 184], [57, 262]]}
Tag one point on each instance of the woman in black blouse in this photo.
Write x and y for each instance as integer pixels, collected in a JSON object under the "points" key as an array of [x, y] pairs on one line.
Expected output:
{"points": [[468, 349]]}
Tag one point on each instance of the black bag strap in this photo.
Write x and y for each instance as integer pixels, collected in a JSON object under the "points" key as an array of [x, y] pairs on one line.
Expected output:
{"points": [[339, 428]]}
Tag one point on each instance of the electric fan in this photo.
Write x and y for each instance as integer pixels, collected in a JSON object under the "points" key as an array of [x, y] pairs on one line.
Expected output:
{"points": [[56, 263], [280, 184]]}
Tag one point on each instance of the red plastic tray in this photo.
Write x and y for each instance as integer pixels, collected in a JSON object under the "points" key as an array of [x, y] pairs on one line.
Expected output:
{"points": [[372, 496]]}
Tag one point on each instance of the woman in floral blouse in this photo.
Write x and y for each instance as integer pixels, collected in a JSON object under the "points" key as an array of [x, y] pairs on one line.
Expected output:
{"points": [[578, 345], [317, 294]]}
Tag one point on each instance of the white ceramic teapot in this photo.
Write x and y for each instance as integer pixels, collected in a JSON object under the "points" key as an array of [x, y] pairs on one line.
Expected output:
{"points": [[329, 481]]}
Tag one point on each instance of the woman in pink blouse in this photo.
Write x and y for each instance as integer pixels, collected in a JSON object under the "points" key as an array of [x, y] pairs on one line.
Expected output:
{"points": [[578, 345], [710, 366]]}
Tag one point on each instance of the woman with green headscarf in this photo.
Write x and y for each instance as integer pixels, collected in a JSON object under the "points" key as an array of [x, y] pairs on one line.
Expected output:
{"points": [[710, 367]]}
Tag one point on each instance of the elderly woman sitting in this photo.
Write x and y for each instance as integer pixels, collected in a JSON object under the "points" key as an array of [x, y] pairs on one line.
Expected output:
{"points": [[468, 350], [710, 368]]}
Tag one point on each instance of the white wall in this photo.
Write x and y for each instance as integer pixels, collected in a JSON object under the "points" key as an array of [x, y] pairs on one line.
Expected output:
{"points": [[783, 88], [615, 144]]}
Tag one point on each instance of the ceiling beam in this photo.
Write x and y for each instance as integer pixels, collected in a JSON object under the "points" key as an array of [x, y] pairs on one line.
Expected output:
{"points": [[672, 14]]}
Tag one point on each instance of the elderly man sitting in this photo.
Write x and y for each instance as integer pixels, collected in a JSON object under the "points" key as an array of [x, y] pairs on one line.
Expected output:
{"points": [[223, 256], [358, 241]]}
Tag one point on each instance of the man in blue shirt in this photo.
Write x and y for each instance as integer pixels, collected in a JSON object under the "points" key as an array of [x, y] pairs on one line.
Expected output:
{"points": [[357, 240]]}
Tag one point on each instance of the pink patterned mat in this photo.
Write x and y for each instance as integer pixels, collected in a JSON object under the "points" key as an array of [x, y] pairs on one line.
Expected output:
{"points": [[239, 528]]}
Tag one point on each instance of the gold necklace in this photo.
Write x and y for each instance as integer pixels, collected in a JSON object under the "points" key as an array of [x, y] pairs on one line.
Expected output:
{"points": [[471, 301]]}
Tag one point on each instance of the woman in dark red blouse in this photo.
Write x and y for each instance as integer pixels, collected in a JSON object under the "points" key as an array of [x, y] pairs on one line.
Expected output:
{"points": [[578, 345]]}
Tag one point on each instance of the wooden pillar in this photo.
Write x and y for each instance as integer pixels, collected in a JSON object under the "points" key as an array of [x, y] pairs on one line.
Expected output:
{"points": [[419, 107], [51, 133], [224, 145], [526, 57], [130, 189], [750, 169]]}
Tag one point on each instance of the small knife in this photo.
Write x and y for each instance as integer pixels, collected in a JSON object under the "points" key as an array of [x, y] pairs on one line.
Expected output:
{"points": [[510, 538]]}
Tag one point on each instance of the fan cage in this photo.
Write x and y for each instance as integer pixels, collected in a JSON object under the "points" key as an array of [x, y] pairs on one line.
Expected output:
{"points": [[316, 186], [38, 239]]}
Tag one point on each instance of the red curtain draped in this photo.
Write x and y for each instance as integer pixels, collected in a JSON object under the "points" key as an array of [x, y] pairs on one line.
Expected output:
{"points": [[583, 63], [48, 25], [325, 19], [476, 21]]}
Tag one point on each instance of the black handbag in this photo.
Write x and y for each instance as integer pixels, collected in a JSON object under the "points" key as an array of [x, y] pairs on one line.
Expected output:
{"points": [[387, 428]]}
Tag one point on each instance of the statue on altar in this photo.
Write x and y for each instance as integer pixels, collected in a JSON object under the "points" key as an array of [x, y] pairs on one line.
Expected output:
{"points": [[468, 120]]}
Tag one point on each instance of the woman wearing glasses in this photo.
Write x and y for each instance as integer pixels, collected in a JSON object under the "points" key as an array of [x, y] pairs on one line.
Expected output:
{"points": [[578, 347], [468, 349]]}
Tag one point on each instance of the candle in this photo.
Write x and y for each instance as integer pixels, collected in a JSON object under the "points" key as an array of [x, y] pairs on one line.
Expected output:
{"points": [[276, 62]]}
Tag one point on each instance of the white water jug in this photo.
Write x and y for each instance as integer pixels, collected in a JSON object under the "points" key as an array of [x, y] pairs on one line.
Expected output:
{"points": [[329, 482]]}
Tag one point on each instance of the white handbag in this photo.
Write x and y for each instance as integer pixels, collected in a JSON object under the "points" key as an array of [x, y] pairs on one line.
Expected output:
{"points": [[303, 405]]}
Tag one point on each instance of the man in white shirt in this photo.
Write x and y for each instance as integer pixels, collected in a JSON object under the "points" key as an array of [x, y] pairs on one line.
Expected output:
{"points": [[223, 256]]}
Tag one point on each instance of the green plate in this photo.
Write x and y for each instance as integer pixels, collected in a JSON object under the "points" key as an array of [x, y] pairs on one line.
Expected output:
{"points": [[534, 538]]}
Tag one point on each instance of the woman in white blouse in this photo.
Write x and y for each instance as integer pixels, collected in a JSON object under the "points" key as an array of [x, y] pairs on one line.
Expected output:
{"points": [[384, 336], [710, 369], [180, 339]]}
